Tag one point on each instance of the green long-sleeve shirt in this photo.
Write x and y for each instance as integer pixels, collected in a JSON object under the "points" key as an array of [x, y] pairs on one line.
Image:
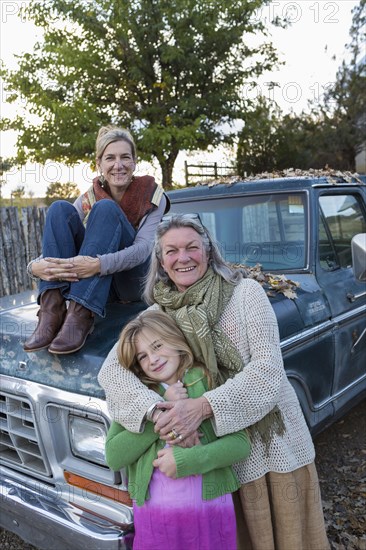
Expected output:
{"points": [[213, 458]]}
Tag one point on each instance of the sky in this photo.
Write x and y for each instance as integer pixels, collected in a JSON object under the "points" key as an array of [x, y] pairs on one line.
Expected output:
{"points": [[312, 49]]}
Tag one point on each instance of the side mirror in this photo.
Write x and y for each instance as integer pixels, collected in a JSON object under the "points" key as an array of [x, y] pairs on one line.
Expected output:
{"points": [[358, 246]]}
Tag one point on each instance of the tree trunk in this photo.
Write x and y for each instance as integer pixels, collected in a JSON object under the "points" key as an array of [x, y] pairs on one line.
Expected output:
{"points": [[348, 158], [352, 160], [167, 165]]}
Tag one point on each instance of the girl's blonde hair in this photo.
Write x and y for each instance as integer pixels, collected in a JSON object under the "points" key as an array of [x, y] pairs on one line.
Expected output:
{"points": [[166, 329], [109, 134]]}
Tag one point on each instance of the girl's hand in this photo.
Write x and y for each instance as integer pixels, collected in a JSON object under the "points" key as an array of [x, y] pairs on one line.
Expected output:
{"points": [[183, 416], [166, 463], [190, 440], [175, 392]]}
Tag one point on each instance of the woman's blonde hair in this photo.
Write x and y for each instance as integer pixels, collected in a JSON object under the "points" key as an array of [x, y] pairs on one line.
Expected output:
{"points": [[166, 329], [109, 134]]}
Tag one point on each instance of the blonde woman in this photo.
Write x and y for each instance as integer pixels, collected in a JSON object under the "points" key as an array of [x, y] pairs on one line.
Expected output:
{"points": [[97, 248]]}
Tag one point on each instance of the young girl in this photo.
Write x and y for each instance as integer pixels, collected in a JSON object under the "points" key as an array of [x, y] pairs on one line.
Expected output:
{"points": [[181, 495]]}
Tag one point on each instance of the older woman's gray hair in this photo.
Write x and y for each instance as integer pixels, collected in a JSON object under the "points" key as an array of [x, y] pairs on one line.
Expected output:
{"points": [[215, 260]]}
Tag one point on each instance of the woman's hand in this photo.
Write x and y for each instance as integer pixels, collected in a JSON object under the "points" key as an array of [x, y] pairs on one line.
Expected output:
{"points": [[183, 416], [166, 463], [54, 269], [85, 266], [175, 392], [189, 441], [66, 269]]}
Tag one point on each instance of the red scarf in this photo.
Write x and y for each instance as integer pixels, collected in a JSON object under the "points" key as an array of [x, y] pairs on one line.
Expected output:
{"points": [[140, 197]]}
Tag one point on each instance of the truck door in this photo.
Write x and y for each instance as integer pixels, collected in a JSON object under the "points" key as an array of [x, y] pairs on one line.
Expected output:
{"points": [[341, 216]]}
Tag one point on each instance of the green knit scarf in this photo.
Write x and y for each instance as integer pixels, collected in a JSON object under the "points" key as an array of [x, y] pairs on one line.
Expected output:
{"points": [[197, 312]]}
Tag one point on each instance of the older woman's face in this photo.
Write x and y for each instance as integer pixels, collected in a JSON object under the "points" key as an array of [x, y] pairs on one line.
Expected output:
{"points": [[184, 258]]}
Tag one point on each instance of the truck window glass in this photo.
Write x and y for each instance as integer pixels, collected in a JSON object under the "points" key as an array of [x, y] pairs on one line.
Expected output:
{"points": [[341, 218], [266, 229]]}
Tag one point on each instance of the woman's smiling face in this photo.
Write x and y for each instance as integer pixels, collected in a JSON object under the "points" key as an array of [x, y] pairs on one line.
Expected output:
{"points": [[183, 256], [117, 165]]}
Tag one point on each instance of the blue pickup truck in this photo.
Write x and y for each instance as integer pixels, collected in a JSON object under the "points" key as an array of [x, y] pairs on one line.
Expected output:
{"points": [[56, 488]]}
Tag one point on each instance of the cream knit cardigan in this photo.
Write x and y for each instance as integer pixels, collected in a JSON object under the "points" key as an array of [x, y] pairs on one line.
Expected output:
{"points": [[249, 321]]}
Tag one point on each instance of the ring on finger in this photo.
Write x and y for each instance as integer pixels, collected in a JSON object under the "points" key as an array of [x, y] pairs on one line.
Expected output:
{"points": [[173, 434], [180, 437], [157, 416]]}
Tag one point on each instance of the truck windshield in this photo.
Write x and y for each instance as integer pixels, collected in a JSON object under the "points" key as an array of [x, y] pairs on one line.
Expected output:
{"points": [[266, 229]]}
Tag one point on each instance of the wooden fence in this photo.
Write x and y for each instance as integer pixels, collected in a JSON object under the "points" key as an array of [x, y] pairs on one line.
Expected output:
{"points": [[206, 170], [20, 241]]}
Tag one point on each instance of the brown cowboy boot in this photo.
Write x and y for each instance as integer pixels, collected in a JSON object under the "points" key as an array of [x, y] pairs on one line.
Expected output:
{"points": [[51, 315], [79, 323]]}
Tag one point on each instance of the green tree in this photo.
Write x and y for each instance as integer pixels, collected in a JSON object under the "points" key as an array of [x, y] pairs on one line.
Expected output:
{"points": [[171, 71], [18, 192], [272, 141], [300, 142], [332, 133], [344, 108], [56, 191], [5, 165], [340, 118], [257, 146], [17, 195]]}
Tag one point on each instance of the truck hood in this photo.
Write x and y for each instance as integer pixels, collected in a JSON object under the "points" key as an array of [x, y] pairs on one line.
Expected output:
{"points": [[76, 372]]}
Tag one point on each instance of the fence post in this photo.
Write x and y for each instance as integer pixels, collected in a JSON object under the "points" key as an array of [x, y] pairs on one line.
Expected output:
{"points": [[20, 242], [186, 171]]}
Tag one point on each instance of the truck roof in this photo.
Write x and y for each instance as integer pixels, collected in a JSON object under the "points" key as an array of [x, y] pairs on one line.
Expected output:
{"points": [[235, 185]]}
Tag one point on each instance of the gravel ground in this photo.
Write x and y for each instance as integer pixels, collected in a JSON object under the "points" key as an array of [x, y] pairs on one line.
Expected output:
{"points": [[341, 463]]}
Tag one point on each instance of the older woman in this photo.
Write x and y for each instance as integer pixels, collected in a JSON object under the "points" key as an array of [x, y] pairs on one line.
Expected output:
{"points": [[97, 248], [231, 327]]}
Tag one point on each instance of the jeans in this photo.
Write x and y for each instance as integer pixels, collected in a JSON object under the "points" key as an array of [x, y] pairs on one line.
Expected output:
{"points": [[107, 231]]}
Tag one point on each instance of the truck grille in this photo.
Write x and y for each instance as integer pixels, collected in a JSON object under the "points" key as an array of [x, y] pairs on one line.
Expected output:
{"points": [[19, 438]]}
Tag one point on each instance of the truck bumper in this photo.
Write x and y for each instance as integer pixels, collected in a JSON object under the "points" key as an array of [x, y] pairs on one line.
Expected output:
{"points": [[48, 522]]}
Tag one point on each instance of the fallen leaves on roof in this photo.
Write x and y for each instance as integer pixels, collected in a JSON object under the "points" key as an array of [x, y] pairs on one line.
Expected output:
{"points": [[274, 284], [332, 176]]}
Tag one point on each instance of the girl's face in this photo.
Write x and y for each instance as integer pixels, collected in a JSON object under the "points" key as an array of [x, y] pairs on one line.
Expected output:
{"points": [[158, 361], [183, 256], [117, 165]]}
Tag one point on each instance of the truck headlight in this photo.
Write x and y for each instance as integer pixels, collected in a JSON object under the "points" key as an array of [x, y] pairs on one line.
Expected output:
{"points": [[87, 439]]}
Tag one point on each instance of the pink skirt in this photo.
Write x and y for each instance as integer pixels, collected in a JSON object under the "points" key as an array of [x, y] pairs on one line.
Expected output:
{"points": [[176, 518]]}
